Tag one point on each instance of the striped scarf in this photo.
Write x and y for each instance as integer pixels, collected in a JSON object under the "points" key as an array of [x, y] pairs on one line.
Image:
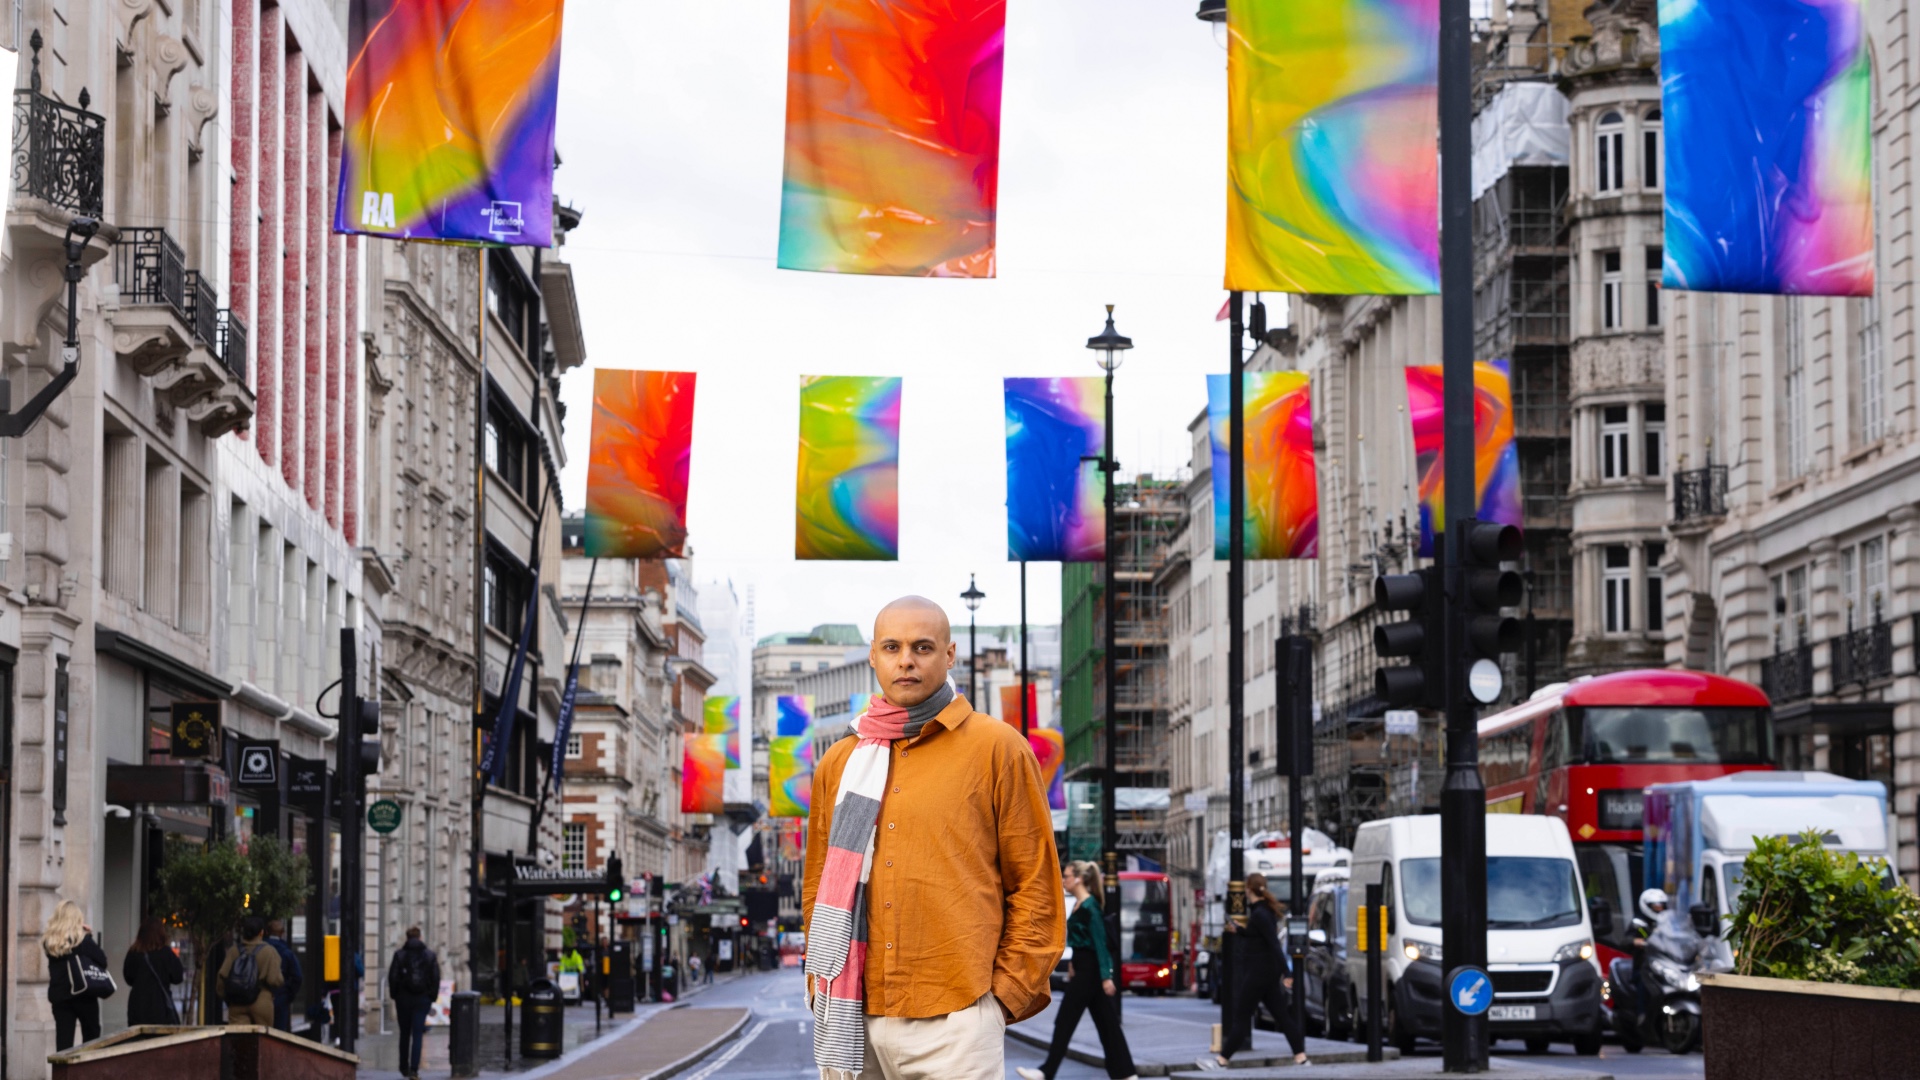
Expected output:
{"points": [[837, 936]]}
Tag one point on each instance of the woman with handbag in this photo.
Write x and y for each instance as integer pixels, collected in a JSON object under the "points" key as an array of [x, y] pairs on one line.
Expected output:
{"points": [[77, 976], [150, 969]]}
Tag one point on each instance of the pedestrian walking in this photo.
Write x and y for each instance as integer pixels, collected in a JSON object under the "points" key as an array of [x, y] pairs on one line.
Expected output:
{"points": [[1090, 986], [413, 982], [706, 970], [1262, 974], [249, 975], [77, 975], [290, 973], [694, 966], [152, 969], [932, 890]]}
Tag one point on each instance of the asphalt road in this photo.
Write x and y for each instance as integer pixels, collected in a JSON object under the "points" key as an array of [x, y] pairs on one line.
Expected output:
{"points": [[777, 1043]]}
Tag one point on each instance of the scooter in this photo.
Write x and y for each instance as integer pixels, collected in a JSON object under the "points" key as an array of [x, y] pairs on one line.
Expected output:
{"points": [[1667, 980]]}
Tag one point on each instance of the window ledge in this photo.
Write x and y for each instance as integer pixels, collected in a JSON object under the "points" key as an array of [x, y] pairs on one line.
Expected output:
{"points": [[1789, 489], [1867, 451]]}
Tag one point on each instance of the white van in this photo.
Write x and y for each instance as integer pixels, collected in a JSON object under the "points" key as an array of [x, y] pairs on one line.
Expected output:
{"points": [[1540, 955]]}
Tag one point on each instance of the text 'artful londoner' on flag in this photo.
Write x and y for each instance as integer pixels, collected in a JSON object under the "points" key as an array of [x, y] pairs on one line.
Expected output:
{"points": [[449, 120], [893, 137]]}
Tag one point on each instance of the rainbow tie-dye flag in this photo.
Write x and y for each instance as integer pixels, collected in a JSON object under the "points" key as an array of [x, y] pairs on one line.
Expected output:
{"points": [[1496, 458], [638, 464], [1282, 519], [449, 121], [1055, 497], [848, 499]]}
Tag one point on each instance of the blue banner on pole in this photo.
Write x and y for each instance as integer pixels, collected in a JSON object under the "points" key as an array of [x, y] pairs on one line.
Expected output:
{"points": [[565, 726]]}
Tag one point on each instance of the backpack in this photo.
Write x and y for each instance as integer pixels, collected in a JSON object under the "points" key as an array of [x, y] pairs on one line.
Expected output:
{"points": [[243, 979], [413, 975]]}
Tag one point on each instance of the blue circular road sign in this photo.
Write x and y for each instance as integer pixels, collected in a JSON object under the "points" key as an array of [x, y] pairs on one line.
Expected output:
{"points": [[1470, 991]]}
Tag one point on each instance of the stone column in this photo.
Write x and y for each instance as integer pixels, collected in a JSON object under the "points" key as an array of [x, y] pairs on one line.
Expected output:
{"points": [[1903, 590]]}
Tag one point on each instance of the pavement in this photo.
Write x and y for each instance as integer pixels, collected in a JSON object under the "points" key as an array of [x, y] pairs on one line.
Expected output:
{"points": [[1164, 1042], [1394, 1070]]}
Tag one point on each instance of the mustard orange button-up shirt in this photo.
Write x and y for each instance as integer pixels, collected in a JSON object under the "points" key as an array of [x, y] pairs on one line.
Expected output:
{"points": [[964, 896]]}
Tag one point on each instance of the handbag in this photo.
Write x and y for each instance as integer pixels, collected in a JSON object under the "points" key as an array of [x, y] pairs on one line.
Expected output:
{"points": [[166, 995], [90, 980]]}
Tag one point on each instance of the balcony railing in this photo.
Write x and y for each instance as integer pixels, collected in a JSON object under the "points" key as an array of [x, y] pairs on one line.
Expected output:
{"points": [[1699, 493], [203, 315], [59, 152], [151, 269], [1788, 675], [233, 343], [1862, 656]]}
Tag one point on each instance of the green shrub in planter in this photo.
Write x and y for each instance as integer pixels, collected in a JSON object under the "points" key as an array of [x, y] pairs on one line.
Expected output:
{"points": [[1808, 912]]}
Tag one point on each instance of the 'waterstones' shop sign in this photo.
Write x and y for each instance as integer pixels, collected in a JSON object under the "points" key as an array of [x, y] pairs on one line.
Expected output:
{"points": [[535, 880]]}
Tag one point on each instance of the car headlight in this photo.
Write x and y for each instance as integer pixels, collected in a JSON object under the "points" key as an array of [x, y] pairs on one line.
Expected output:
{"points": [[1574, 950], [1420, 950], [1693, 983], [1164, 972]]}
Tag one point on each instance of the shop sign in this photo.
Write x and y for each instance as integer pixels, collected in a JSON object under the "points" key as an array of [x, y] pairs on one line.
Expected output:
{"points": [[196, 730], [259, 764], [307, 782], [384, 816]]}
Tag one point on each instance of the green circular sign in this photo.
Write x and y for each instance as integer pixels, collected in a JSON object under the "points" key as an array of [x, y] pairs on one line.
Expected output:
{"points": [[384, 816]]}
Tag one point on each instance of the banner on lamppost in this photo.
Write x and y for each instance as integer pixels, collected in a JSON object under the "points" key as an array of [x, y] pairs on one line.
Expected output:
{"points": [[847, 505], [1281, 486], [1056, 496], [638, 464], [1496, 459]]}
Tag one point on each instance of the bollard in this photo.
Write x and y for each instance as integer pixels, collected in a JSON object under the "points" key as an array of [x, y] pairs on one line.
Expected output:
{"points": [[463, 1034], [1373, 932]]}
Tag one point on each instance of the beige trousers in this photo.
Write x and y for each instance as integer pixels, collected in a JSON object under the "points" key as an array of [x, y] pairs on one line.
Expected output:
{"points": [[967, 1045]]}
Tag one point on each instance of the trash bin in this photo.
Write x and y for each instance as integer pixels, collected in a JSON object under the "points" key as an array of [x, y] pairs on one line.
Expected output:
{"points": [[542, 1020]]}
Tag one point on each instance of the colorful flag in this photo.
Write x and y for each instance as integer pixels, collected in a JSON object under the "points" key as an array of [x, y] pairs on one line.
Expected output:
{"points": [[638, 463], [848, 504], [794, 715], [1768, 114], [793, 840], [449, 120], [1496, 459], [1010, 704], [1055, 496], [721, 716], [1050, 746], [790, 775], [1282, 490], [893, 137], [703, 766], [1333, 147]]}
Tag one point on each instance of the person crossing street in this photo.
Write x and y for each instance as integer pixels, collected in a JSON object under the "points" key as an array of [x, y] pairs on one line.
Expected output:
{"points": [[1090, 986], [1262, 975]]}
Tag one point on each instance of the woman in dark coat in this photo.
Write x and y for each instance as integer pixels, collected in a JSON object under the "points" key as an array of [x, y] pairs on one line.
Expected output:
{"points": [[150, 969], [69, 946], [1262, 975]]}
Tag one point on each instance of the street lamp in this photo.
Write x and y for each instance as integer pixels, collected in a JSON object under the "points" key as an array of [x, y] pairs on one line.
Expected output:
{"points": [[1108, 345], [972, 597], [1215, 13]]}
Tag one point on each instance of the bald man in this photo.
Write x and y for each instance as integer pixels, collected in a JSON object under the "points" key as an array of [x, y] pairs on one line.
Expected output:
{"points": [[932, 893]]}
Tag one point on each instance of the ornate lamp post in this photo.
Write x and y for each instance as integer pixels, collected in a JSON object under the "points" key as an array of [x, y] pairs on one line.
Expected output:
{"points": [[972, 597], [1108, 346]]}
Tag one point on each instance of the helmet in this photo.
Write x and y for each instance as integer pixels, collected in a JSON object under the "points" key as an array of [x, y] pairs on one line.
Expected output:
{"points": [[1652, 903]]}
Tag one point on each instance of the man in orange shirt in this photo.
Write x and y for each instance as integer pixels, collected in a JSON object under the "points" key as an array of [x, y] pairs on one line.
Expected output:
{"points": [[932, 892]]}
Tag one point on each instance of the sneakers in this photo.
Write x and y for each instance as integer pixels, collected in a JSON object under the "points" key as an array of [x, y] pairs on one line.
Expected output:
{"points": [[1030, 1074], [1210, 1063]]}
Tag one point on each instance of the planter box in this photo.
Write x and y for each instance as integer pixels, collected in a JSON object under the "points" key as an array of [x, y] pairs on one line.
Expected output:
{"points": [[241, 1052], [1859, 1032]]}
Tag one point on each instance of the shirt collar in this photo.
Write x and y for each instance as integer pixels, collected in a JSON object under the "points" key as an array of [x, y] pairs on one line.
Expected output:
{"points": [[951, 717]]}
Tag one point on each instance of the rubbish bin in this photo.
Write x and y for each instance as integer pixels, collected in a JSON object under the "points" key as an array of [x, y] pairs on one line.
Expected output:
{"points": [[542, 1020]]}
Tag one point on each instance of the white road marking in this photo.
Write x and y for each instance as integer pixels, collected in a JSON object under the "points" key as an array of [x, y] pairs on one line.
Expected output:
{"points": [[732, 1052]]}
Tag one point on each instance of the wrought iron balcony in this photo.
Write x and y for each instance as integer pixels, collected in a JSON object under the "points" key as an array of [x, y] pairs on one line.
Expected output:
{"points": [[1862, 656], [233, 343], [59, 152], [203, 313], [1788, 675], [151, 269], [1699, 493]]}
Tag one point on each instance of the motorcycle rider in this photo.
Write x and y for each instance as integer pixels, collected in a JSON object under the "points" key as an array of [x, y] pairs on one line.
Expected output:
{"points": [[1653, 905]]}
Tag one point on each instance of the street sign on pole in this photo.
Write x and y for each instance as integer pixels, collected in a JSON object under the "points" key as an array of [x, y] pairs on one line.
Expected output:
{"points": [[384, 816], [1402, 722]]}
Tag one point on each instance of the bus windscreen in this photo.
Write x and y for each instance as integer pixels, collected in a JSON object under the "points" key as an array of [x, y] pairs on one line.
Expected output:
{"points": [[1146, 921], [1673, 735]]}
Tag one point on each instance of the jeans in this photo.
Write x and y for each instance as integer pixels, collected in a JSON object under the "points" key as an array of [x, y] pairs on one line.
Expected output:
{"points": [[1085, 994], [84, 1011], [413, 1031]]}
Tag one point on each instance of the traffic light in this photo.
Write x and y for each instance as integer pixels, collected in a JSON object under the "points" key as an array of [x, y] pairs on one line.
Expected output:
{"points": [[616, 880], [1417, 683], [1489, 634], [369, 711]]}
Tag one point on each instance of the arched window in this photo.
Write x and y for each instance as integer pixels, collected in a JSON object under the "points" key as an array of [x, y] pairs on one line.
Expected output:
{"points": [[1650, 150], [1609, 150]]}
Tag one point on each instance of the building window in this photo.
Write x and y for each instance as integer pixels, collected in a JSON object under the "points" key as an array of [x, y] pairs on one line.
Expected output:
{"points": [[1793, 394], [1863, 581], [1615, 434], [1617, 585], [793, 665], [1656, 587], [575, 745], [573, 846], [1611, 317], [824, 665], [1654, 429], [1610, 151], [1650, 150], [1870, 373], [1790, 608], [504, 599], [1653, 263]]}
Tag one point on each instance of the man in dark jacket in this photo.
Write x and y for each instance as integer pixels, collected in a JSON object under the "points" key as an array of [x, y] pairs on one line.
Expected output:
{"points": [[284, 994], [413, 981]]}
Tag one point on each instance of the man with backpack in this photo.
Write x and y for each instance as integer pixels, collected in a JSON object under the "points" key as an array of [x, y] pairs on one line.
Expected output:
{"points": [[290, 972], [413, 982], [249, 975]]}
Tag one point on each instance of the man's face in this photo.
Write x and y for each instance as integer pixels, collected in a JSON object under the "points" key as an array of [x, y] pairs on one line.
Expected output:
{"points": [[912, 653]]}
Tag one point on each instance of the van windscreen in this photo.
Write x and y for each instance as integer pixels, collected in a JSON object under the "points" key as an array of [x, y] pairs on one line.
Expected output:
{"points": [[1523, 893]]}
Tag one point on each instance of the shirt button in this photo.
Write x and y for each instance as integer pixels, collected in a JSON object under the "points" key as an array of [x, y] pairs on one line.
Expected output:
{"points": [[889, 903], [889, 862], [896, 791], [889, 944], [889, 824]]}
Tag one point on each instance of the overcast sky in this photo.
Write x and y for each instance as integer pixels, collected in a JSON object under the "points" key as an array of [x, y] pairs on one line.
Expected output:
{"points": [[1112, 190]]}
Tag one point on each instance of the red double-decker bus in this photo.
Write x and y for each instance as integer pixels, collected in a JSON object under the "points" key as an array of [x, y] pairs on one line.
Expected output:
{"points": [[1146, 932], [1585, 751]]}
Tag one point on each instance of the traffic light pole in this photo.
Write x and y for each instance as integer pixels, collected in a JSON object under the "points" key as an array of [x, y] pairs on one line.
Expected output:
{"points": [[353, 809], [1463, 803], [1236, 905]]}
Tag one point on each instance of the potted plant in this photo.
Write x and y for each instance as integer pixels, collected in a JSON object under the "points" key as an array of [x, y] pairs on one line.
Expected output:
{"points": [[1826, 945]]}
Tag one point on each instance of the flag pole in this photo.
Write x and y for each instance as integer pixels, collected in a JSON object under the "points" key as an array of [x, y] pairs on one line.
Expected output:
{"points": [[476, 827]]}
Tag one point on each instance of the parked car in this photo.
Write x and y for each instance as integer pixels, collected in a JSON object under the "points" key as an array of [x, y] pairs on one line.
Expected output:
{"points": [[1325, 981]]}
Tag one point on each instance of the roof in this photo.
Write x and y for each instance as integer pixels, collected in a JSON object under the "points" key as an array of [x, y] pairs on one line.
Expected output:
{"points": [[844, 635], [1665, 686]]}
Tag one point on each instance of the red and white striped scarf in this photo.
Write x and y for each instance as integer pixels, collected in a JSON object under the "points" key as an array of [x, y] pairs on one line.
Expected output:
{"points": [[837, 935]]}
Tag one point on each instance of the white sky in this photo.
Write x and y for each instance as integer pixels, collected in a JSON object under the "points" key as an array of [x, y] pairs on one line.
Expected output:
{"points": [[1112, 190]]}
